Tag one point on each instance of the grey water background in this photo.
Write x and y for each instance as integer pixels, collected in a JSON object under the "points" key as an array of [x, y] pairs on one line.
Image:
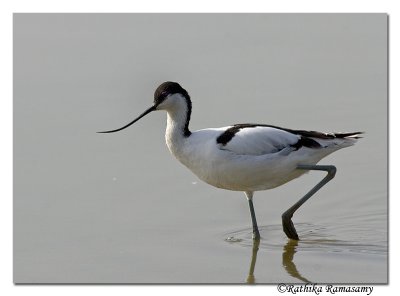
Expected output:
{"points": [[118, 208]]}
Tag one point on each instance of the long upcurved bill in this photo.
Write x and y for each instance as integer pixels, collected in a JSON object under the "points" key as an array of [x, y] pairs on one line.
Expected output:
{"points": [[152, 108]]}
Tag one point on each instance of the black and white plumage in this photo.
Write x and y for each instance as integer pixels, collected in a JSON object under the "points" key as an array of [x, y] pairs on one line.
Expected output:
{"points": [[243, 157]]}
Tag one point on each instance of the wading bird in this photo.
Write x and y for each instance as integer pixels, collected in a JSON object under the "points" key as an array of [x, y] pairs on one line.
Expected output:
{"points": [[245, 157]]}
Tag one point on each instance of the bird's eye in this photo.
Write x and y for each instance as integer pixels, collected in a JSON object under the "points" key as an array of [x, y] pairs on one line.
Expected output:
{"points": [[161, 97]]}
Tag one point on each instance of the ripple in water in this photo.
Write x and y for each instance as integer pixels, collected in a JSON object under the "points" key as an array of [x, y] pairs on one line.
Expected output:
{"points": [[312, 238]]}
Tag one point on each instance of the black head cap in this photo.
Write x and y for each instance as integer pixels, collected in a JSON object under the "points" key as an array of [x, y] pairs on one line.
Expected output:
{"points": [[168, 88]]}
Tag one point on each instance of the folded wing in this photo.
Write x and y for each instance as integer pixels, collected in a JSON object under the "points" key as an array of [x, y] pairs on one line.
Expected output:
{"points": [[258, 140]]}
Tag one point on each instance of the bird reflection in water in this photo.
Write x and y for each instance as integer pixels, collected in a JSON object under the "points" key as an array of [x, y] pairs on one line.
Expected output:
{"points": [[287, 261], [251, 278]]}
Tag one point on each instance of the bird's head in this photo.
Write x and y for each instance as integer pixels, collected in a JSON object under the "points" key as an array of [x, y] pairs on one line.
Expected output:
{"points": [[168, 96]]}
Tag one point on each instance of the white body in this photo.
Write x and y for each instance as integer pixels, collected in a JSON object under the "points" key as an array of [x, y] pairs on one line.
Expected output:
{"points": [[254, 159]]}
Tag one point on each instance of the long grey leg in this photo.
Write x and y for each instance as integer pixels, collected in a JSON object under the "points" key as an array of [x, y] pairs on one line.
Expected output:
{"points": [[287, 223], [256, 233]]}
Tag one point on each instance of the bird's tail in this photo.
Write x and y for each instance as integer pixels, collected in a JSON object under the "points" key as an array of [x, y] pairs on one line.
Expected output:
{"points": [[340, 140], [352, 135]]}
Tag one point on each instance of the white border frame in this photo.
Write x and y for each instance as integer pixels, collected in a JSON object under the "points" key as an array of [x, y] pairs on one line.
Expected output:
{"points": [[8, 7]]}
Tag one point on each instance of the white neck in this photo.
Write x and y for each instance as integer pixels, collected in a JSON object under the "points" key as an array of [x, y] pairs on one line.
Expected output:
{"points": [[175, 131]]}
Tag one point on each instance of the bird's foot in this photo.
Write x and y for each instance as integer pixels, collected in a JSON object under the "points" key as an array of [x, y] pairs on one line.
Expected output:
{"points": [[288, 226]]}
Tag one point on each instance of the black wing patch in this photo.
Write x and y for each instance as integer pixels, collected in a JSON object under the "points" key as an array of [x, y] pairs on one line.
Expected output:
{"points": [[227, 135], [306, 142]]}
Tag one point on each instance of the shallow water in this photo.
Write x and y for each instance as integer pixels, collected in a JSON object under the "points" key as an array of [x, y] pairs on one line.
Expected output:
{"points": [[315, 241], [118, 208]]}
